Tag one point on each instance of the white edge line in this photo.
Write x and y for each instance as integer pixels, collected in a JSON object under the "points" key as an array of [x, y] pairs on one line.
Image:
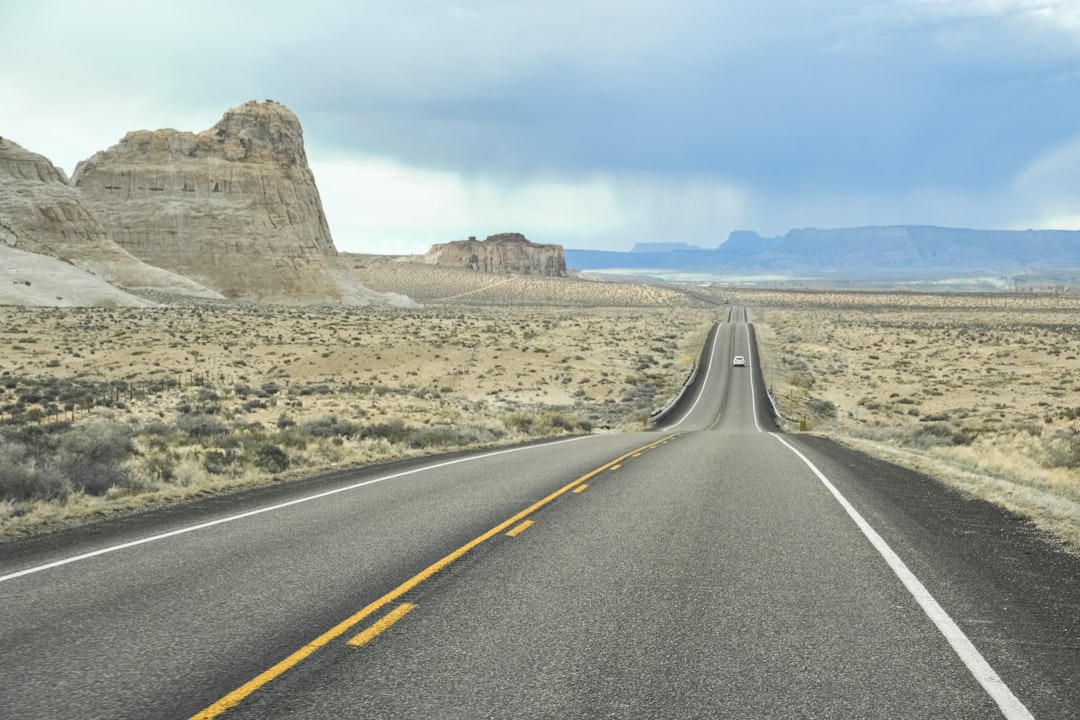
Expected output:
{"points": [[1010, 705], [750, 367], [270, 508], [704, 383]]}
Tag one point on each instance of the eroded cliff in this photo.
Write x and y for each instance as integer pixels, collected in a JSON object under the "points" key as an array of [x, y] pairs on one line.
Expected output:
{"points": [[234, 207], [502, 253], [40, 212]]}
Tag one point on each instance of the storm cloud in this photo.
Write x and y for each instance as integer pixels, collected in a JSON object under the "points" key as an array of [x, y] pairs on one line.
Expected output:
{"points": [[591, 123]]}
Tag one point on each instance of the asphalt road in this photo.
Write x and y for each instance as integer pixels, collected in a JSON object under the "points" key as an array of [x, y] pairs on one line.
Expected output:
{"points": [[712, 568]]}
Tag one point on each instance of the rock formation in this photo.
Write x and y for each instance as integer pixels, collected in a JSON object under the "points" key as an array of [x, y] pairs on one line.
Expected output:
{"points": [[40, 212], [234, 207], [34, 280], [502, 253]]}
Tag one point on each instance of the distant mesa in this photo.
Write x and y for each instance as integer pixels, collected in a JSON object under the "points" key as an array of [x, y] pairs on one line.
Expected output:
{"points": [[504, 253], [902, 251], [234, 207], [42, 213]]}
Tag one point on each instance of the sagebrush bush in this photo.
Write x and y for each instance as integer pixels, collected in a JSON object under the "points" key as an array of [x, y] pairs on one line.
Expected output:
{"points": [[450, 436], [553, 421], [217, 462], [937, 434], [330, 426], [821, 408], [271, 458], [92, 456], [201, 425], [1062, 450], [22, 478], [522, 422], [48, 462], [393, 431]]}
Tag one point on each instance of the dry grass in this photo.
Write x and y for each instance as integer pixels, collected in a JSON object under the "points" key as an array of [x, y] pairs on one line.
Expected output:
{"points": [[978, 390], [204, 398]]}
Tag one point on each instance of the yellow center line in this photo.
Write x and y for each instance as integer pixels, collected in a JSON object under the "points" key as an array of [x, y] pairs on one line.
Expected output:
{"points": [[381, 624], [237, 695], [519, 528], [615, 467], [580, 488]]}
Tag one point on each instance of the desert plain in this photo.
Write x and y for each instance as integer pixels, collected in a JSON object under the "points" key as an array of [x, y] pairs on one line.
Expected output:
{"points": [[112, 410], [108, 410], [979, 391]]}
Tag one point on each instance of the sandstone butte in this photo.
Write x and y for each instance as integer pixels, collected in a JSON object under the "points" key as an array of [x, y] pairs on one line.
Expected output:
{"points": [[502, 253], [234, 207], [42, 213]]}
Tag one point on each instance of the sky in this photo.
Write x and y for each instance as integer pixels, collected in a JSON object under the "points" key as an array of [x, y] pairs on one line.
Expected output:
{"points": [[590, 123]]}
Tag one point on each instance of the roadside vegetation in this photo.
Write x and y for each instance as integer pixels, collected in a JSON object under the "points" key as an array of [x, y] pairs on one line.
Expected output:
{"points": [[981, 391], [107, 410]]}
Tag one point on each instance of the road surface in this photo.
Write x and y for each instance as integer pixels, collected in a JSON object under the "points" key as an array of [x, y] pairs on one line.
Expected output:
{"points": [[713, 568]]}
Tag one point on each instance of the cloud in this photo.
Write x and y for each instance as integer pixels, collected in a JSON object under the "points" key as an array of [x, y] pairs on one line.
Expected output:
{"points": [[1061, 14], [1048, 188], [614, 120], [381, 205]]}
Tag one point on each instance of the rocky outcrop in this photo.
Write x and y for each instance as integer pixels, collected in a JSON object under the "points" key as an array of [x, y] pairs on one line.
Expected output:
{"points": [[502, 253], [40, 212], [34, 280], [234, 207]]}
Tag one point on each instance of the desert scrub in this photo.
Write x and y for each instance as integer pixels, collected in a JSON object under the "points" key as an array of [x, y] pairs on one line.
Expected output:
{"points": [[547, 422], [330, 426], [921, 436], [325, 386], [1061, 450], [47, 462], [443, 436], [982, 384], [271, 458]]}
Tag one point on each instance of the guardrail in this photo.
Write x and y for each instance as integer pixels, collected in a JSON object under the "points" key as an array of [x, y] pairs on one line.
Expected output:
{"points": [[777, 412], [655, 415]]}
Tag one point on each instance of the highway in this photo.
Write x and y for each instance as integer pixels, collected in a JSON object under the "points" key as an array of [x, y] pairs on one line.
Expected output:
{"points": [[711, 568]]}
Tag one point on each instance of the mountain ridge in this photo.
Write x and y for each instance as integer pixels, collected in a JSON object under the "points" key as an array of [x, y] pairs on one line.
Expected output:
{"points": [[888, 248]]}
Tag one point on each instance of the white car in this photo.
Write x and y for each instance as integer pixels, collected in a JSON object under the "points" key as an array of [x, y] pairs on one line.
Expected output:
{"points": [[739, 361]]}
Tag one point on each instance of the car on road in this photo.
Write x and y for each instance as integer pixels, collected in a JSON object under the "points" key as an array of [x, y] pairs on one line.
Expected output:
{"points": [[739, 361]]}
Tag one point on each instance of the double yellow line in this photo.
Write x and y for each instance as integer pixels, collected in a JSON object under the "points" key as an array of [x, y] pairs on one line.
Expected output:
{"points": [[239, 694]]}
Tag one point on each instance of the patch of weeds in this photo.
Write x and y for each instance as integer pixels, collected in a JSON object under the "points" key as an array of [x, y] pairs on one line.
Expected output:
{"points": [[201, 426], [441, 436], [393, 431], [937, 434], [1062, 449], [521, 422], [271, 458], [330, 426], [821, 408]]}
